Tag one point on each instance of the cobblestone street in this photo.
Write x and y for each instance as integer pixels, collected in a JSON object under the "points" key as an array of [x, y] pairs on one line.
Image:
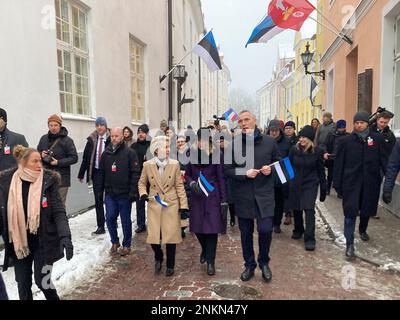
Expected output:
{"points": [[297, 274]]}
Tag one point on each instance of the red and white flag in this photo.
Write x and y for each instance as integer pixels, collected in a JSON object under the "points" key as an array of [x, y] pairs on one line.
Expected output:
{"points": [[290, 14]]}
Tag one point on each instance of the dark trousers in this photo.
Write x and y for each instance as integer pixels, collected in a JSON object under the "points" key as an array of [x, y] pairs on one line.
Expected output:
{"points": [[98, 199], [350, 226], [159, 256], [42, 274], [119, 206], [3, 291], [264, 229], [329, 179], [232, 211], [141, 213], [279, 205], [208, 244], [309, 232]]}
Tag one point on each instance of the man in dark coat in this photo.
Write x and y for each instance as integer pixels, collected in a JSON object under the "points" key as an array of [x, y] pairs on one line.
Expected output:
{"points": [[357, 175], [392, 173], [119, 176], [58, 153], [96, 144], [141, 146], [8, 140], [381, 126], [332, 141], [281, 191], [253, 188]]}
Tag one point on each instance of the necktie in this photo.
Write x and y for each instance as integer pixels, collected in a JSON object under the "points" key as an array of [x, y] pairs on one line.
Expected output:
{"points": [[100, 151]]}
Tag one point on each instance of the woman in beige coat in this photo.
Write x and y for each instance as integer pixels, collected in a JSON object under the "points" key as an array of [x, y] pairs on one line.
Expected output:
{"points": [[163, 176]]}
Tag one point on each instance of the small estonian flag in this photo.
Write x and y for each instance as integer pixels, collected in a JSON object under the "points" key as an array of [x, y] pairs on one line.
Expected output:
{"points": [[205, 186], [231, 115], [284, 170], [208, 51], [161, 202]]}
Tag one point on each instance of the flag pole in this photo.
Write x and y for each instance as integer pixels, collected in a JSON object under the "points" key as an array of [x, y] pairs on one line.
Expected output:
{"points": [[339, 34], [188, 53]]}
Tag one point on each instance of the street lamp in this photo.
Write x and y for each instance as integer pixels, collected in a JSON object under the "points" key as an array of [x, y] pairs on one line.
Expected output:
{"points": [[180, 76], [306, 58]]}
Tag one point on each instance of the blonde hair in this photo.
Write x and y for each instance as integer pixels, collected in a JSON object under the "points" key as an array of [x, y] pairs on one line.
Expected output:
{"points": [[22, 153], [309, 147]]}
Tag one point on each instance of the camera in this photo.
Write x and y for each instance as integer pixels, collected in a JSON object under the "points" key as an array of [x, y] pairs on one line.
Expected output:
{"points": [[217, 120], [49, 157], [374, 117]]}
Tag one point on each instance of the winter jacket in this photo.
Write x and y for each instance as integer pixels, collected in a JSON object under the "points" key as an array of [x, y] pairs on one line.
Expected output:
{"points": [[323, 132], [64, 152], [53, 219], [252, 194], [393, 169], [358, 171], [388, 137], [89, 154], [141, 148], [309, 174], [119, 172], [9, 141], [293, 139], [332, 141]]}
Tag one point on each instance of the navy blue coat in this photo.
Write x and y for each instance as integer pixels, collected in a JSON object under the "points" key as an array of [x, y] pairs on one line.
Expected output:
{"points": [[252, 194], [358, 171], [10, 139], [393, 168]]}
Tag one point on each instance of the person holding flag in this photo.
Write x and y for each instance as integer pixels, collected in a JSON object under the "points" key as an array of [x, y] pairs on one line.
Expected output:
{"points": [[308, 164], [166, 202], [253, 191], [208, 203]]}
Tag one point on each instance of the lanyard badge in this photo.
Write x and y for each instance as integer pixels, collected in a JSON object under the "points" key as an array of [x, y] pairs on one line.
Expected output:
{"points": [[370, 142], [7, 150], [114, 167], [44, 202]]}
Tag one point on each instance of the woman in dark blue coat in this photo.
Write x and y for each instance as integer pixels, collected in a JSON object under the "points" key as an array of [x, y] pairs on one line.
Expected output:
{"points": [[206, 212]]}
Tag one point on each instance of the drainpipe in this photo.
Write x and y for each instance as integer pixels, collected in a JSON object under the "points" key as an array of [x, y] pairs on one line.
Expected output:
{"points": [[170, 62]]}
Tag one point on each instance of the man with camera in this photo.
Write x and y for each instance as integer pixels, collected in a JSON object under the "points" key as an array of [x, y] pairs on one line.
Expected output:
{"points": [[58, 153], [381, 126]]}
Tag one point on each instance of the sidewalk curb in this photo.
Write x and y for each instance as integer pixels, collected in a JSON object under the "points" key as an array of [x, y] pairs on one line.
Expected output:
{"points": [[333, 233]]}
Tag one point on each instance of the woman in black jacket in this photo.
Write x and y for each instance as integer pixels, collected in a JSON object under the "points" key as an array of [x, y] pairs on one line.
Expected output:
{"points": [[34, 223], [307, 162]]}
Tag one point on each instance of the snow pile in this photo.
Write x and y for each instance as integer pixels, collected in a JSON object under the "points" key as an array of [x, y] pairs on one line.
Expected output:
{"points": [[90, 253]]}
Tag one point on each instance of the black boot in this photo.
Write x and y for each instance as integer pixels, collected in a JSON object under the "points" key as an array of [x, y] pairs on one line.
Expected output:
{"points": [[266, 273], [169, 272], [202, 258], [99, 231], [233, 222], [157, 267], [247, 274], [350, 250], [210, 269], [364, 236]]}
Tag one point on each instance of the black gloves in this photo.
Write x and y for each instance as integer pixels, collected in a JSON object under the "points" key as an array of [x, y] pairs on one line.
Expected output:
{"points": [[132, 197], [387, 197], [144, 197], [194, 186], [66, 243], [224, 211], [184, 214]]}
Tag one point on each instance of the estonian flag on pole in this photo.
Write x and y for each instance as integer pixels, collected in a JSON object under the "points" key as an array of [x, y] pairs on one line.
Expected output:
{"points": [[208, 51], [284, 170], [205, 186], [313, 90], [161, 202], [265, 31]]}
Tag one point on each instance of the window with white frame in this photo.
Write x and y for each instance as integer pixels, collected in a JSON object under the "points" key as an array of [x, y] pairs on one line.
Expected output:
{"points": [[330, 90], [137, 80], [72, 58]]}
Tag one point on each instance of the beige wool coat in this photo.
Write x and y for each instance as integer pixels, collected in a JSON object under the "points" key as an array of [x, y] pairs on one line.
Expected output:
{"points": [[163, 224]]}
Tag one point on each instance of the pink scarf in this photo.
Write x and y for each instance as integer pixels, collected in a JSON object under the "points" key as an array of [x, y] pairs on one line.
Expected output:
{"points": [[17, 226]]}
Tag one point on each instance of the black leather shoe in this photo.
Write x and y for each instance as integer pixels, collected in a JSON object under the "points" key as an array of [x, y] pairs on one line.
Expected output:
{"points": [[309, 246], [169, 272], [350, 251], [183, 234], [140, 229], [233, 222], [266, 273], [247, 274], [210, 269], [157, 267], [277, 229], [98, 232], [202, 259], [364, 236]]}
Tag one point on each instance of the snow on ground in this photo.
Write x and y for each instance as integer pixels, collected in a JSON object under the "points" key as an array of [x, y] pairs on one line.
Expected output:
{"points": [[90, 253]]}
